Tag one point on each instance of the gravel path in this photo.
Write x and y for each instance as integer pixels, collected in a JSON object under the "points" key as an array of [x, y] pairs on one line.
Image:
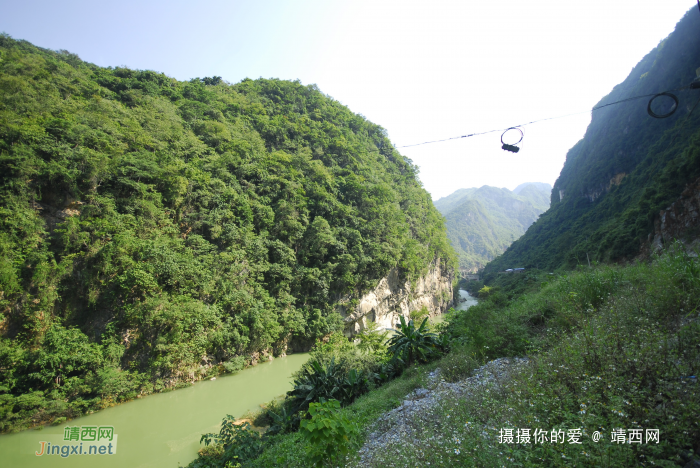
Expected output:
{"points": [[403, 424]]}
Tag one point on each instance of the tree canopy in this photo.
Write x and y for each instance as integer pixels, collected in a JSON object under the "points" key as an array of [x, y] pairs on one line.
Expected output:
{"points": [[157, 227]]}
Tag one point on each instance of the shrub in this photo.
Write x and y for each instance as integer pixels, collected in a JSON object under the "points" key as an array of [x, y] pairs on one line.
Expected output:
{"points": [[234, 365], [372, 341], [319, 382], [484, 292], [410, 343], [457, 365], [328, 432], [239, 441], [419, 315]]}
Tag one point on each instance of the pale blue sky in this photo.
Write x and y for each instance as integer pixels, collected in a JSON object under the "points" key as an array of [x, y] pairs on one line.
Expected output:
{"points": [[422, 70]]}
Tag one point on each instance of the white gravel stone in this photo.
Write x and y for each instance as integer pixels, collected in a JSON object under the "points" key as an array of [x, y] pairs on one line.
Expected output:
{"points": [[398, 425]]}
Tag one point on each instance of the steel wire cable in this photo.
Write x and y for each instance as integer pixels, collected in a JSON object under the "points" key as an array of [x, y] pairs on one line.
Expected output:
{"points": [[653, 95], [633, 98]]}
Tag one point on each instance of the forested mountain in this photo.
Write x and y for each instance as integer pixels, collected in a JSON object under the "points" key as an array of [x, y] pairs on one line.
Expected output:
{"points": [[482, 223], [627, 167], [153, 229], [538, 193]]}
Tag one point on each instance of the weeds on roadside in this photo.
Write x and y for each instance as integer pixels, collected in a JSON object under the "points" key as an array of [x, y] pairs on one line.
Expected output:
{"points": [[610, 348]]}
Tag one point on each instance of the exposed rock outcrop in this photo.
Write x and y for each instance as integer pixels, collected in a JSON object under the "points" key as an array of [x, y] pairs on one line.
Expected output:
{"points": [[679, 221], [594, 193], [394, 297], [55, 215]]}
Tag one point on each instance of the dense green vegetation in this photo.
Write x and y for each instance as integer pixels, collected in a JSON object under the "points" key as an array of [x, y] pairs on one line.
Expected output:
{"points": [[482, 223], [627, 167], [411, 344], [327, 431], [337, 374], [153, 232], [608, 347]]}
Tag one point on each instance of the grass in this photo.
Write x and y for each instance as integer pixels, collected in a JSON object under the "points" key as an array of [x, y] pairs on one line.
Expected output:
{"points": [[290, 450], [615, 349], [609, 347]]}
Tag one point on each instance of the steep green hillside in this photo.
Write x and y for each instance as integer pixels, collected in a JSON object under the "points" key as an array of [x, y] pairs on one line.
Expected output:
{"points": [[627, 167], [153, 231], [482, 223], [474, 235], [538, 193]]}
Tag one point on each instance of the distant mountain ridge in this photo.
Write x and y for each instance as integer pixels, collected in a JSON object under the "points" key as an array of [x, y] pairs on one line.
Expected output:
{"points": [[627, 168], [538, 192], [538, 185], [483, 222]]}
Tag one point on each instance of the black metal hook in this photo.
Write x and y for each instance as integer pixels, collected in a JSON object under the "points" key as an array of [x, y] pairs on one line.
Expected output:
{"points": [[512, 148], [668, 114]]}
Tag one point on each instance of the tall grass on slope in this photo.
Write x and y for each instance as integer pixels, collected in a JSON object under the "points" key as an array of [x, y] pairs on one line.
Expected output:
{"points": [[608, 348], [611, 348]]}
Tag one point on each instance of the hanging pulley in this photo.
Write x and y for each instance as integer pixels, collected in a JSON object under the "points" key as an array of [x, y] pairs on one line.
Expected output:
{"points": [[673, 110], [508, 147]]}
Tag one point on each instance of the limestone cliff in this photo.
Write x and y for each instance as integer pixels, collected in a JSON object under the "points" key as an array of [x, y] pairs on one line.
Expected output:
{"points": [[394, 297], [679, 221]]}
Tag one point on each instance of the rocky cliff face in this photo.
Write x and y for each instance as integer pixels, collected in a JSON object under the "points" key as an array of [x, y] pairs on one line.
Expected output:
{"points": [[393, 298], [679, 221], [593, 193]]}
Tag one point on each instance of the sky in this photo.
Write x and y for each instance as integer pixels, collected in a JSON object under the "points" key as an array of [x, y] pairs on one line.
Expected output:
{"points": [[423, 70]]}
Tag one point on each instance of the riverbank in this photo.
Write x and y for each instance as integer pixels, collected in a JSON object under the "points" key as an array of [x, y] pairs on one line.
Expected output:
{"points": [[611, 352], [465, 301], [163, 430]]}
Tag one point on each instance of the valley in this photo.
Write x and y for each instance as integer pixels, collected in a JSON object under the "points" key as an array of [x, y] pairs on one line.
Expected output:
{"points": [[240, 275], [482, 223]]}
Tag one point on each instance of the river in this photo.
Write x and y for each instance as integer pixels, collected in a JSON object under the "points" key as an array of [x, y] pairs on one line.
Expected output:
{"points": [[469, 301], [163, 430], [160, 430]]}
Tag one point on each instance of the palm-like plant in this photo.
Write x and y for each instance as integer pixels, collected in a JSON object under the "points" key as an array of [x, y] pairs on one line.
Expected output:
{"points": [[317, 382], [283, 421], [410, 343]]}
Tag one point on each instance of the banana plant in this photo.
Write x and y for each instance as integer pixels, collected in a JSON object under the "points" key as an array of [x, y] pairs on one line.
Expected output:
{"points": [[354, 385], [410, 343], [330, 382], [317, 382], [282, 422]]}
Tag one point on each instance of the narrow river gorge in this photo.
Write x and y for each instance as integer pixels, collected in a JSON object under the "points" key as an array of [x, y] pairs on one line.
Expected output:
{"points": [[467, 300], [163, 430]]}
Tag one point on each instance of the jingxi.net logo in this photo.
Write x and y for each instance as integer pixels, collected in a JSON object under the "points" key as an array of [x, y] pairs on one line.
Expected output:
{"points": [[81, 440]]}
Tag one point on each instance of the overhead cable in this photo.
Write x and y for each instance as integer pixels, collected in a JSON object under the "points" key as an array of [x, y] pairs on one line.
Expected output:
{"points": [[653, 96]]}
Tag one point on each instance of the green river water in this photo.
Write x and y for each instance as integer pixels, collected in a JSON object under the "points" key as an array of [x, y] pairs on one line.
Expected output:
{"points": [[160, 430], [163, 430], [469, 300], [466, 301]]}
